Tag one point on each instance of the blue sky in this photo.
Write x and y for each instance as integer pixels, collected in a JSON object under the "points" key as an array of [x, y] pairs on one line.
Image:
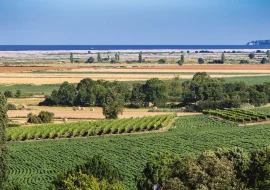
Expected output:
{"points": [[133, 22]]}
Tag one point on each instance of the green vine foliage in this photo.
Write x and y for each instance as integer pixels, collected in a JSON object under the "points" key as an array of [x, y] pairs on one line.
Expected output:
{"points": [[3, 150]]}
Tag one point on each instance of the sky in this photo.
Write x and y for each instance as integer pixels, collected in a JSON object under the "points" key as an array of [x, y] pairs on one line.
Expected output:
{"points": [[133, 22]]}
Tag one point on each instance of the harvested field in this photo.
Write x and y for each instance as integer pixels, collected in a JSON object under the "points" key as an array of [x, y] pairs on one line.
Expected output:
{"points": [[24, 75], [67, 112], [75, 79]]}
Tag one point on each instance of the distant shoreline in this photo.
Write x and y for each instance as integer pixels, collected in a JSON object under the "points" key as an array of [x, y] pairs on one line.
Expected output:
{"points": [[131, 47], [4, 53]]}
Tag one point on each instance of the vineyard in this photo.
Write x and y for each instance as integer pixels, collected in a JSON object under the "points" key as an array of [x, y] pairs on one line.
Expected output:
{"points": [[238, 115], [263, 110], [85, 129], [35, 164]]}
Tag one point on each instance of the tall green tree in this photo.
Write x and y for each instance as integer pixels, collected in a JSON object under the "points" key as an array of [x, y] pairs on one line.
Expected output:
{"points": [[3, 149], [99, 57], [182, 58], [140, 57], [71, 58], [113, 105], [259, 171], [117, 56], [156, 92], [240, 159], [268, 54], [138, 96], [174, 87], [66, 94], [95, 174], [208, 171], [223, 58]]}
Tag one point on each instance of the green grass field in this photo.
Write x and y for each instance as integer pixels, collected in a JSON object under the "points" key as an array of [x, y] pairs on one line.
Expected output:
{"points": [[28, 89], [46, 89], [264, 110], [35, 164], [249, 79]]}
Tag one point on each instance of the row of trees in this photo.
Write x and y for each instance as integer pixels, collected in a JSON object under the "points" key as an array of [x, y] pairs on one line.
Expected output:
{"points": [[96, 93], [180, 62], [212, 93], [225, 168], [117, 59], [3, 149], [202, 92]]}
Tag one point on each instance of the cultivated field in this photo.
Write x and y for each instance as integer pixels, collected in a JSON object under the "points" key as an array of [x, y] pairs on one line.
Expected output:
{"points": [[53, 75], [129, 153], [36, 74]]}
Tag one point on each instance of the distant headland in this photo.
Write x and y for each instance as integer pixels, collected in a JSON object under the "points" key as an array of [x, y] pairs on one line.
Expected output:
{"points": [[259, 42]]}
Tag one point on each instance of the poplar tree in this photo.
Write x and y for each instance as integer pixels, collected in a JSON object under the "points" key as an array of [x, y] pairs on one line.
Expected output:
{"points": [[71, 58], [268, 54], [223, 59], [118, 56], [98, 57], [140, 57], [3, 149], [182, 58]]}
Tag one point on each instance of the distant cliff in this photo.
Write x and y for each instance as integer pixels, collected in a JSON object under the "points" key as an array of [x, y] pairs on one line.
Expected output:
{"points": [[259, 42]]}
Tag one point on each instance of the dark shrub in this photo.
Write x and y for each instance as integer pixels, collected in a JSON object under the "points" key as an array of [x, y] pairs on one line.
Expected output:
{"points": [[264, 60], [18, 94], [244, 61], [217, 61], [8, 94], [162, 61], [11, 107], [200, 61], [43, 117], [90, 60], [46, 117], [113, 61], [251, 55], [33, 118]]}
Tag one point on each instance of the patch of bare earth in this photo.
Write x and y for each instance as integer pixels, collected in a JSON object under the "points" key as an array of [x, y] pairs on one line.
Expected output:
{"points": [[67, 112]]}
